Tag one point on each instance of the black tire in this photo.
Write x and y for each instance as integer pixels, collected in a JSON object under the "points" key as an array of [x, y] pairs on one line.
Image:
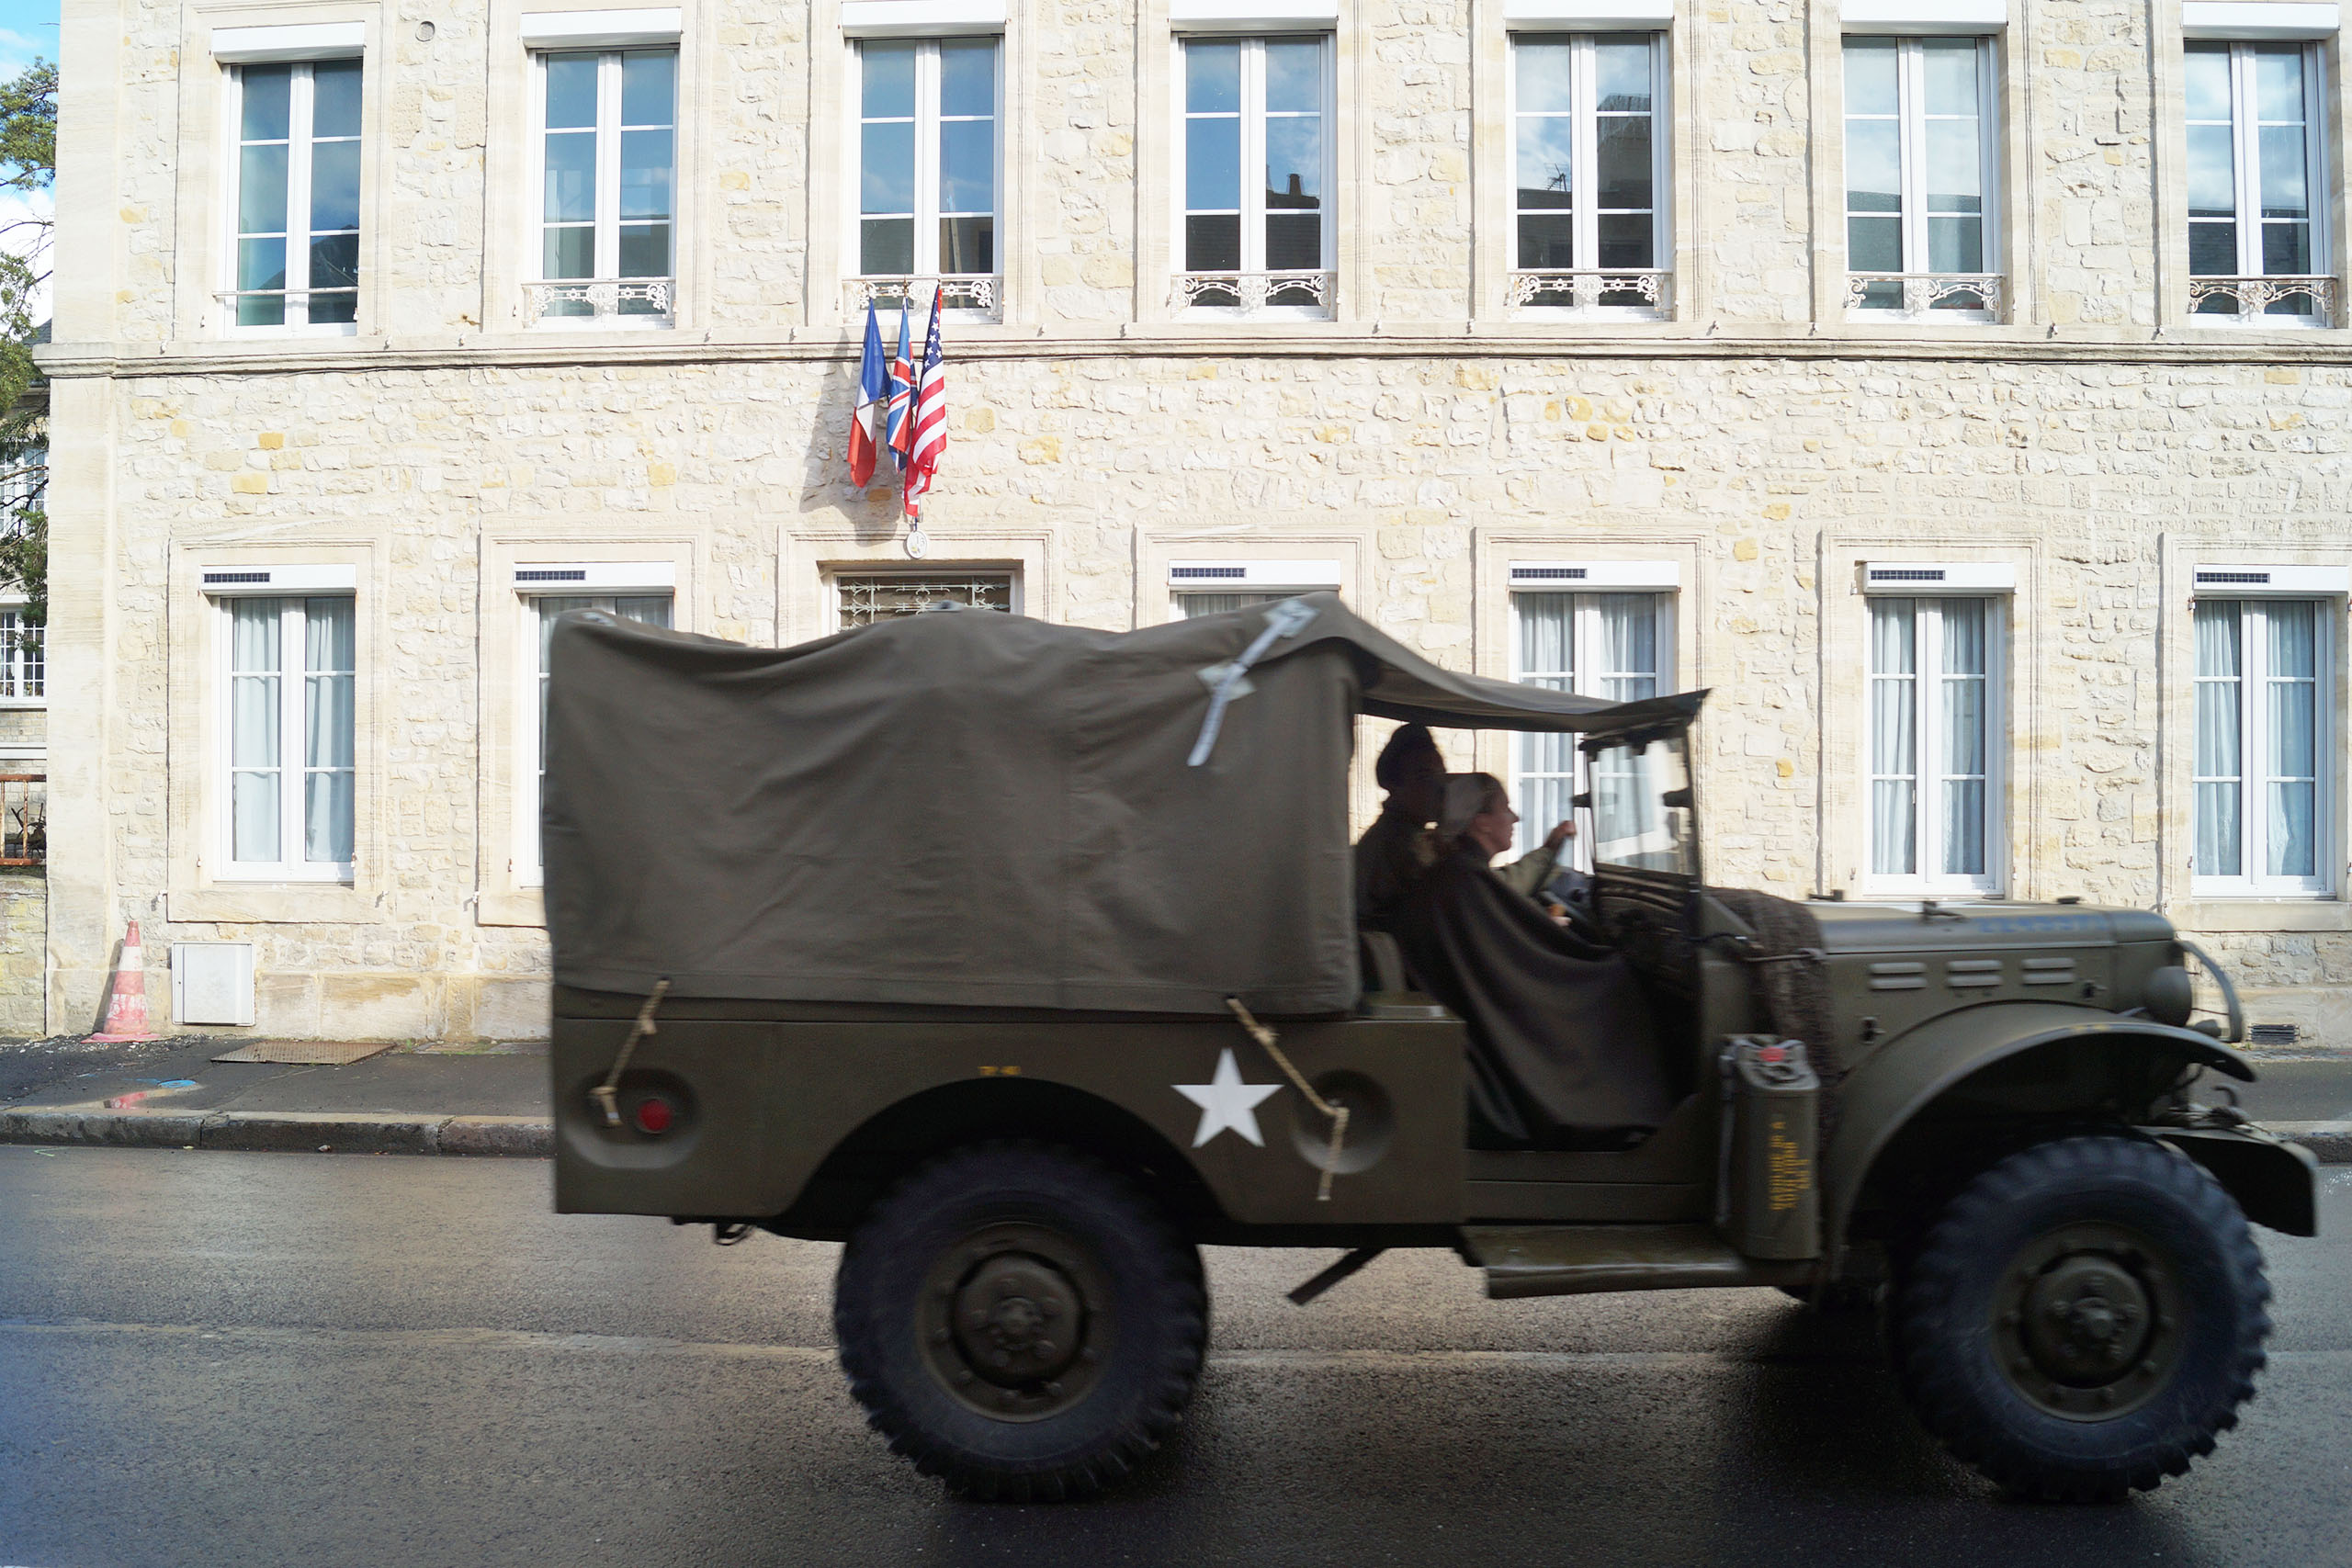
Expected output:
{"points": [[2082, 1319], [1021, 1321]]}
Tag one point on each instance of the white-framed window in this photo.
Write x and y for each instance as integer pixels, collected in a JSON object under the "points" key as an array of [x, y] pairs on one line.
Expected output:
{"points": [[928, 155], [1934, 744], [288, 670], [2255, 118], [24, 668], [1921, 170], [1198, 587], [294, 253], [862, 598], [1591, 164], [605, 124], [651, 607], [2262, 717], [1254, 175], [1617, 646]]}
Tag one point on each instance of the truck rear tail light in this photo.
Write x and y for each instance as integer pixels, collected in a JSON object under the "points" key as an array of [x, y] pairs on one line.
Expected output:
{"points": [[655, 1115]]}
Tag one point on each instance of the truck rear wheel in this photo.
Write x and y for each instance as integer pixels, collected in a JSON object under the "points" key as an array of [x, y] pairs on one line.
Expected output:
{"points": [[1021, 1321], [2082, 1319]]}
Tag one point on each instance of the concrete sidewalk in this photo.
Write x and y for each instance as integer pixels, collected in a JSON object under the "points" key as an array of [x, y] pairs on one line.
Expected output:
{"points": [[413, 1102], [495, 1101]]}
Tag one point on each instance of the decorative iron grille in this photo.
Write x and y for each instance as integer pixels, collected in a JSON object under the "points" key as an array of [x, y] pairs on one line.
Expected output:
{"points": [[868, 599], [589, 297], [1639, 288], [955, 291], [1250, 292], [1921, 293], [2292, 297]]}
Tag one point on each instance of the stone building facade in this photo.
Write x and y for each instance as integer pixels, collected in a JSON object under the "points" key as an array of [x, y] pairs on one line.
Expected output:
{"points": [[1892, 368]]}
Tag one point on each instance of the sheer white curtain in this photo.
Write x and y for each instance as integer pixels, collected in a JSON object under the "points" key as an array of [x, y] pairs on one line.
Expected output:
{"points": [[327, 772], [1546, 656], [2259, 718], [2220, 722], [254, 709], [1218, 603], [1894, 768], [2293, 760], [1965, 671]]}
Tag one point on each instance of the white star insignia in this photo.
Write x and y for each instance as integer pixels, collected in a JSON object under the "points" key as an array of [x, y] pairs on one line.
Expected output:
{"points": [[1226, 1102]]}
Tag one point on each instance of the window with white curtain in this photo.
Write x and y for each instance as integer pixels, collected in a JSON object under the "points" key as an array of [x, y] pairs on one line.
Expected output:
{"points": [[2262, 710], [1617, 646], [290, 669], [540, 610], [1591, 166], [1191, 604], [1935, 698], [296, 261], [2254, 116], [24, 667]]}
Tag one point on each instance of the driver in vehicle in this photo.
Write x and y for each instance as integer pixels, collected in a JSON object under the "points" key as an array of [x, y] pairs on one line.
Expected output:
{"points": [[1564, 1050], [1398, 849]]}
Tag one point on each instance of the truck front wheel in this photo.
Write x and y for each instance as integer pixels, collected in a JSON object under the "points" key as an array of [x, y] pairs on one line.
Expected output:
{"points": [[2082, 1319], [1021, 1321]]}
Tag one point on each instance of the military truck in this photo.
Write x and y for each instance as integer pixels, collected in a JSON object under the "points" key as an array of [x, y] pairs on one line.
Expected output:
{"points": [[1022, 959]]}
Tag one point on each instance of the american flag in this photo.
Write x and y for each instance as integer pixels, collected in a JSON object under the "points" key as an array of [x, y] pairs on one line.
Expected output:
{"points": [[928, 419]]}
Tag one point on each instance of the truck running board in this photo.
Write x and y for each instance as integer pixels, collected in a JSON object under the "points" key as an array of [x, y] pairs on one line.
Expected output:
{"points": [[1573, 1261]]}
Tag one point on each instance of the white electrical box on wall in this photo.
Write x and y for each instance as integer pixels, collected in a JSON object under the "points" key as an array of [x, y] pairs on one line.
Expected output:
{"points": [[212, 982]]}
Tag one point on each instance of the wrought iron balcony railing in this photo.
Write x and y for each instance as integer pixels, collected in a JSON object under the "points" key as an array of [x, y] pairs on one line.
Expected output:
{"points": [[1919, 296], [2285, 300], [979, 291], [1648, 290], [585, 299], [1250, 292]]}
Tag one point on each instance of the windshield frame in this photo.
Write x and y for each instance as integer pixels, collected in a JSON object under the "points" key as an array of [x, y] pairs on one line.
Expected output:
{"points": [[1674, 797]]}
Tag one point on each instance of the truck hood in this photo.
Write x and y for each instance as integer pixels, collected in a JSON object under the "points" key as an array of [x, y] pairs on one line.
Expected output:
{"points": [[1907, 926]]}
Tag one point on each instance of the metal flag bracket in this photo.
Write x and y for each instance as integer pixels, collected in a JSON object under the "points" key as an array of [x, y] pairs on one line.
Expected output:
{"points": [[1227, 681], [1336, 1113]]}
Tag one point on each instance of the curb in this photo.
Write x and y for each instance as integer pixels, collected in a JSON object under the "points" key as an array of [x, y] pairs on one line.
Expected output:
{"points": [[2331, 1141], [520, 1137]]}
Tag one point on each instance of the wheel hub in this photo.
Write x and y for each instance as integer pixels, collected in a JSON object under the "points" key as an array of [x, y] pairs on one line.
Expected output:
{"points": [[1014, 1322], [2086, 1322]]}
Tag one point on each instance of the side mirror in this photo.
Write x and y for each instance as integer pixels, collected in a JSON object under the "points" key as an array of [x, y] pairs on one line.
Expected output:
{"points": [[1581, 800], [1681, 797]]}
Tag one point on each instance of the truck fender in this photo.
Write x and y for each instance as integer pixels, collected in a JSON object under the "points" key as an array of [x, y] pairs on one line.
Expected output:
{"points": [[2274, 1182], [1889, 1089]]}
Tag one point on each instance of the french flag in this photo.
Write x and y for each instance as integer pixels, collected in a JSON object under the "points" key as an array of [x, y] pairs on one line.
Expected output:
{"points": [[873, 399]]}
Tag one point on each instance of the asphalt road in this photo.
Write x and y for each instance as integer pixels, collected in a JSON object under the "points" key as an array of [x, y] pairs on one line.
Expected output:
{"points": [[210, 1358]]}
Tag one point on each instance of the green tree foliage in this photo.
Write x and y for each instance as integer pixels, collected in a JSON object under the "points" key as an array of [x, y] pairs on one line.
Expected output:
{"points": [[27, 165]]}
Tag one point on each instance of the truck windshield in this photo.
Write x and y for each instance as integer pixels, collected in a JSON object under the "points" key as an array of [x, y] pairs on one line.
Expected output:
{"points": [[1641, 805]]}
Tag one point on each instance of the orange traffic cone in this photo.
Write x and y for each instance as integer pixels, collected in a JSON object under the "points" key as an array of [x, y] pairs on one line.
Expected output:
{"points": [[127, 1002]]}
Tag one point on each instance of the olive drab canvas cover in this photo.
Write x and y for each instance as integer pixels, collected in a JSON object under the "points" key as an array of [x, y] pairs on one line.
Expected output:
{"points": [[973, 808]]}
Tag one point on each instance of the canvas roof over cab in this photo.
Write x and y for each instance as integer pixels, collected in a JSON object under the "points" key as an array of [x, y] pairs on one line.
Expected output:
{"points": [[982, 810]]}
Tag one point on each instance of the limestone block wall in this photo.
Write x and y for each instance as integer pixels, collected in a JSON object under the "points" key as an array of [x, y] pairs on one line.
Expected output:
{"points": [[2095, 439], [1771, 474], [24, 942]]}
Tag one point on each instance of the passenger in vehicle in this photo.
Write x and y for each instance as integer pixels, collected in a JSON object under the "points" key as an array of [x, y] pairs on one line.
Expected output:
{"points": [[1564, 1052], [1396, 849]]}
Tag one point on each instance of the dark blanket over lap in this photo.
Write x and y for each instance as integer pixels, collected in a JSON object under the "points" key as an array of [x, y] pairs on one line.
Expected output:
{"points": [[1563, 1053]]}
